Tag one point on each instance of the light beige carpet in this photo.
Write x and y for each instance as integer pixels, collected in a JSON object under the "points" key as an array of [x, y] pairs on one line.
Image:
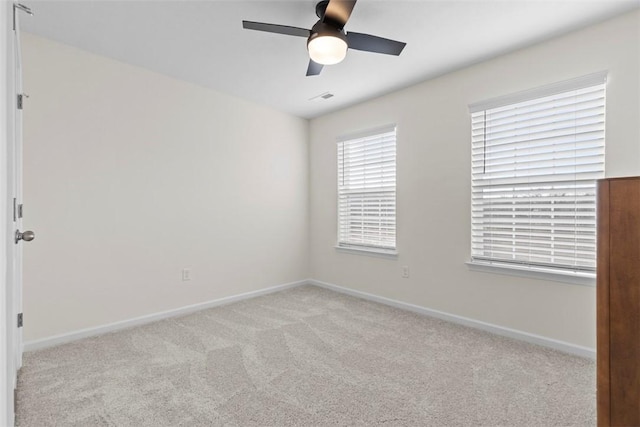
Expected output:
{"points": [[305, 356]]}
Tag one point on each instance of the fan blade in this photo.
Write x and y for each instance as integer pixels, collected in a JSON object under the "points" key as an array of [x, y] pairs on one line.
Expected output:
{"points": [[314, 68], [274, 28], [375, 44], [338, 12]]}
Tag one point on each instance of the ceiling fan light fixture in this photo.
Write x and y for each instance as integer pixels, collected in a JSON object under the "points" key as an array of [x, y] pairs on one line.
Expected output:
{"points": [[327, 48]]}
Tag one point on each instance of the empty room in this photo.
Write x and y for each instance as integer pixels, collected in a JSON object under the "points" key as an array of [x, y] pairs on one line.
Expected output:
{"points": [[310, 213]]}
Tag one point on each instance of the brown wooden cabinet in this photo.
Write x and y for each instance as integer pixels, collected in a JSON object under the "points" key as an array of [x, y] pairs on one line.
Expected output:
{"points": [[618, 296]]}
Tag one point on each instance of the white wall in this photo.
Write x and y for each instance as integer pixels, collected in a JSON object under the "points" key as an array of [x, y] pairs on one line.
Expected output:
{"points": [[433, 159], [131, 176]]}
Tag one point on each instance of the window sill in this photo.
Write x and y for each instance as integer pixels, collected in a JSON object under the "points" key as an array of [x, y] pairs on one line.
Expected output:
{"points": [[585, 279], [374, 252]]}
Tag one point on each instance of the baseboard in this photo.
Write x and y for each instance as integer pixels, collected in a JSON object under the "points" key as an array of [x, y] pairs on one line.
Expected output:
{"points": [[124, 324], [562, 346], [495, 329]]}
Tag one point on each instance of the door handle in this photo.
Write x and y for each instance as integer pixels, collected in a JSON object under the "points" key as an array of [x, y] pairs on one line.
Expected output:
{"points": [[27, 236]]}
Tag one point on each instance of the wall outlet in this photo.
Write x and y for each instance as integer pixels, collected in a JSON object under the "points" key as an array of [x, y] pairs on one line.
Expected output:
{"points": [[186, 274], [405, 271]]}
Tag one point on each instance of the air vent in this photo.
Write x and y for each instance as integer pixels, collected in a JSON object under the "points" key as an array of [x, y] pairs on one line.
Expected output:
{"points": [[325, 95]]}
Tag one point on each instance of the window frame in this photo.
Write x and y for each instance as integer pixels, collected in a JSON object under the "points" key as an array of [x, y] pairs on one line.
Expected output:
{"points": [[351, 247], [560, 273]]}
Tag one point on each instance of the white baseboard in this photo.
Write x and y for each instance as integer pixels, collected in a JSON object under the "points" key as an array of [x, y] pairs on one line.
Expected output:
{"points": [[124, 324], [495, 329], [562, 346]]}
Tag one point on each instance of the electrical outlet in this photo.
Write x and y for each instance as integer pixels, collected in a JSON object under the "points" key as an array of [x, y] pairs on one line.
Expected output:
{"points": [[405, 271], [186, 274]]}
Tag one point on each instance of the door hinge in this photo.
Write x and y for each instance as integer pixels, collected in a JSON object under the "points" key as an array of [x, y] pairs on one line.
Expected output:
{"points": [[19, 320], [21, 97]]}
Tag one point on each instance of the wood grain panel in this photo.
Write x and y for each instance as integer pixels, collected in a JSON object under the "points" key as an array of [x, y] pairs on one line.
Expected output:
{"points": [[624, 302]]}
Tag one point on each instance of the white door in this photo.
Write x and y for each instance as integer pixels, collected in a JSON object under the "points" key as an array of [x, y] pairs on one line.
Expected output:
{"points": [[17, 191], [17, 236]]}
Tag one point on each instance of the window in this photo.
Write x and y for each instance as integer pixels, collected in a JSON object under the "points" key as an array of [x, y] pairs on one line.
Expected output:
{"points": [[536, 156], [367, 191]]}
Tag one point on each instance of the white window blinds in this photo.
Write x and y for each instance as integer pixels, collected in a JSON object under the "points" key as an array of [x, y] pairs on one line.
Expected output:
{"points": [[367, 190], [535, 159]]}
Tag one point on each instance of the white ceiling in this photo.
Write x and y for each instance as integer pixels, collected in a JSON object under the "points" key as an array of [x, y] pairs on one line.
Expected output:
{"points": [[203, 41]]}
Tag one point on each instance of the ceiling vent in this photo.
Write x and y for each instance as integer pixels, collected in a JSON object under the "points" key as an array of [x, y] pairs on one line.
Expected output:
{"points": [[325, 95]]}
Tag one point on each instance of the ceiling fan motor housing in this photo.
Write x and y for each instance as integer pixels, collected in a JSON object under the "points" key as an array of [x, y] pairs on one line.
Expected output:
{"points": [[322, 29]]}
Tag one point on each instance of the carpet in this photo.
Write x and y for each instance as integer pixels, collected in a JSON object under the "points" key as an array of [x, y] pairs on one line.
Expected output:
{"points": [[304, 356]]}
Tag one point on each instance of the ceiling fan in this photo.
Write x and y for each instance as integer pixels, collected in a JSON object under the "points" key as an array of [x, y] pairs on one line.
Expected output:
{"points": [[327, 41]]}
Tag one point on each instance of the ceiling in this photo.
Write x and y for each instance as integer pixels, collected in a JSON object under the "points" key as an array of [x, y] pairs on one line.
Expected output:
{"points": [[203, 41]]}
